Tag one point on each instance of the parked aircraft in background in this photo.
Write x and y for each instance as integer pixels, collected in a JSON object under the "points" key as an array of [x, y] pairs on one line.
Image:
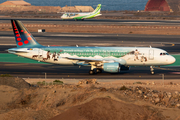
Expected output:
{"points": [[82, 16], [108, 59]]}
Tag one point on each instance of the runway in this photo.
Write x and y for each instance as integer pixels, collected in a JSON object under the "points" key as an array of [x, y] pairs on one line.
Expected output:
{"points": [[93, 21], [169, 43], [26, 70]]}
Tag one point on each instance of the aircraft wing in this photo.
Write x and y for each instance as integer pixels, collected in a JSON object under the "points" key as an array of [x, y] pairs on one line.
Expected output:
{"points": [[100, 60], [85, 59]]}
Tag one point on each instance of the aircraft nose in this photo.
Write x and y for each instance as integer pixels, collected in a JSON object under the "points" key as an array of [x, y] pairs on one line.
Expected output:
{"points": [[171, 60]]}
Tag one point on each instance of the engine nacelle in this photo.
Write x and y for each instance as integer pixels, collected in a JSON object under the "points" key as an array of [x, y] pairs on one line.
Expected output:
{"points": [[111, 67], [125, 67]]}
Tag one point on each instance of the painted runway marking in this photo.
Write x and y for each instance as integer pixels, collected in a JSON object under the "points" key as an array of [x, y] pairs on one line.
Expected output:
{"points": [[75, 35], [7, 37], [177, 73], [140, 22]]}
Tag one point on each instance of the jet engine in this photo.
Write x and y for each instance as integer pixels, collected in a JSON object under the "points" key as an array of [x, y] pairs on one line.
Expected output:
{"points": [[112, 67]]}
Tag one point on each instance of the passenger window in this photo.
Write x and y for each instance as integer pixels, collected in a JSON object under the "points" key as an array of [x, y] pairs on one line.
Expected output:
{"points": [[160, 53], [164, 53]]}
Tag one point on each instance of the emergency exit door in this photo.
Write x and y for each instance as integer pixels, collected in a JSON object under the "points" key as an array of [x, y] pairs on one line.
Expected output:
{"points": [[151, 54]]}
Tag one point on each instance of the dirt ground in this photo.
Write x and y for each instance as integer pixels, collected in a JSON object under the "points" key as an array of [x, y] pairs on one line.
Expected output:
{"points": [[72, 101]]}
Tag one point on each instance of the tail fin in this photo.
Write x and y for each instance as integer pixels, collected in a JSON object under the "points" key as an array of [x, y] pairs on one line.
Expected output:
{"points": [[98, 9], [23, 37]]}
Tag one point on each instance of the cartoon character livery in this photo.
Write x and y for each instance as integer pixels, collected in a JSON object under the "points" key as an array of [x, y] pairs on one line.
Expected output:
{"points": [[82, 16], [108, 59]]}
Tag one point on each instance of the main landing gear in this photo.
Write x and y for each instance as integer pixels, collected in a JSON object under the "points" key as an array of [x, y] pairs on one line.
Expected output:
{"points": [[152, 70], [98, 71], [92, 72]]}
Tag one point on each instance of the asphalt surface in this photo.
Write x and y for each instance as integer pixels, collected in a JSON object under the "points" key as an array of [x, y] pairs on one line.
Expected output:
{"points": [[94, 21], [170, 43], [26, 70]]}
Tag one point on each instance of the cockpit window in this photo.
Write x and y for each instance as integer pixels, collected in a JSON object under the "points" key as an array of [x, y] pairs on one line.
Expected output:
{"points": [[163, 54]]}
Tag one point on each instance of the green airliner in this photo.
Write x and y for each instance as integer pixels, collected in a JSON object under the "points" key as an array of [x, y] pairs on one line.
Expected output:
{"points": [[82, 16]]}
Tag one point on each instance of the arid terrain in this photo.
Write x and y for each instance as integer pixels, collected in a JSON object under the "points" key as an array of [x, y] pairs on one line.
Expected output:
{"points": [[89, 99]]}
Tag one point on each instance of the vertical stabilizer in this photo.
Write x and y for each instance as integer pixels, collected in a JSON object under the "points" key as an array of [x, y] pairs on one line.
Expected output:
{"points": [[22, 36], [98, 9]]}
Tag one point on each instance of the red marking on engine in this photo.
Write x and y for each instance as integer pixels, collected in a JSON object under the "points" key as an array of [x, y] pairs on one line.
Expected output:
{"points": [[16, 31], [20, 43], [26, 42], [21, 30], [18, 39]]}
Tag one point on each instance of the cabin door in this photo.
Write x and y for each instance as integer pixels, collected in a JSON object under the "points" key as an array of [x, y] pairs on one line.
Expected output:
{"points": [[151, 54]]}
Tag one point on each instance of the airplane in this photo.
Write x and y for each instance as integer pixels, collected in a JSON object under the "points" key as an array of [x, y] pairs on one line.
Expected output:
{"points": [[82, 16], [108, 59]]}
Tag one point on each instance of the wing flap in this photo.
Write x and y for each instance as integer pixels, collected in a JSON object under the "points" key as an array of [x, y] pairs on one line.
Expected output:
{"points": [[93, 60], [85, 59]]}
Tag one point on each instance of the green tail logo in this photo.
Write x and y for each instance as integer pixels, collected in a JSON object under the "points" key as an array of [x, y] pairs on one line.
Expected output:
{"points": [[98, 9]]}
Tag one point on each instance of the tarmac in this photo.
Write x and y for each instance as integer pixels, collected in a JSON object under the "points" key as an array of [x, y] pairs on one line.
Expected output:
{"points": [[92, 21]]}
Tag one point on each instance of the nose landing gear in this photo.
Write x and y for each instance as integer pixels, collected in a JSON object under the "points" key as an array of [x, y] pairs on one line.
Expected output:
{"points": [[152, 70]]}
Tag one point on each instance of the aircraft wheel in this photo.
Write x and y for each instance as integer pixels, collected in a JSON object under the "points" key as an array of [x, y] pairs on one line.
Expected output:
{"points": [[98, 71], [76, 19], [82, 19], [91, 72], [152, 72]]}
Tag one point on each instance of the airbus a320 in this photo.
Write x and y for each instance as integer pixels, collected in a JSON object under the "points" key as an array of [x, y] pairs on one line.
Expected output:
{"points": [[108, 59]]}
